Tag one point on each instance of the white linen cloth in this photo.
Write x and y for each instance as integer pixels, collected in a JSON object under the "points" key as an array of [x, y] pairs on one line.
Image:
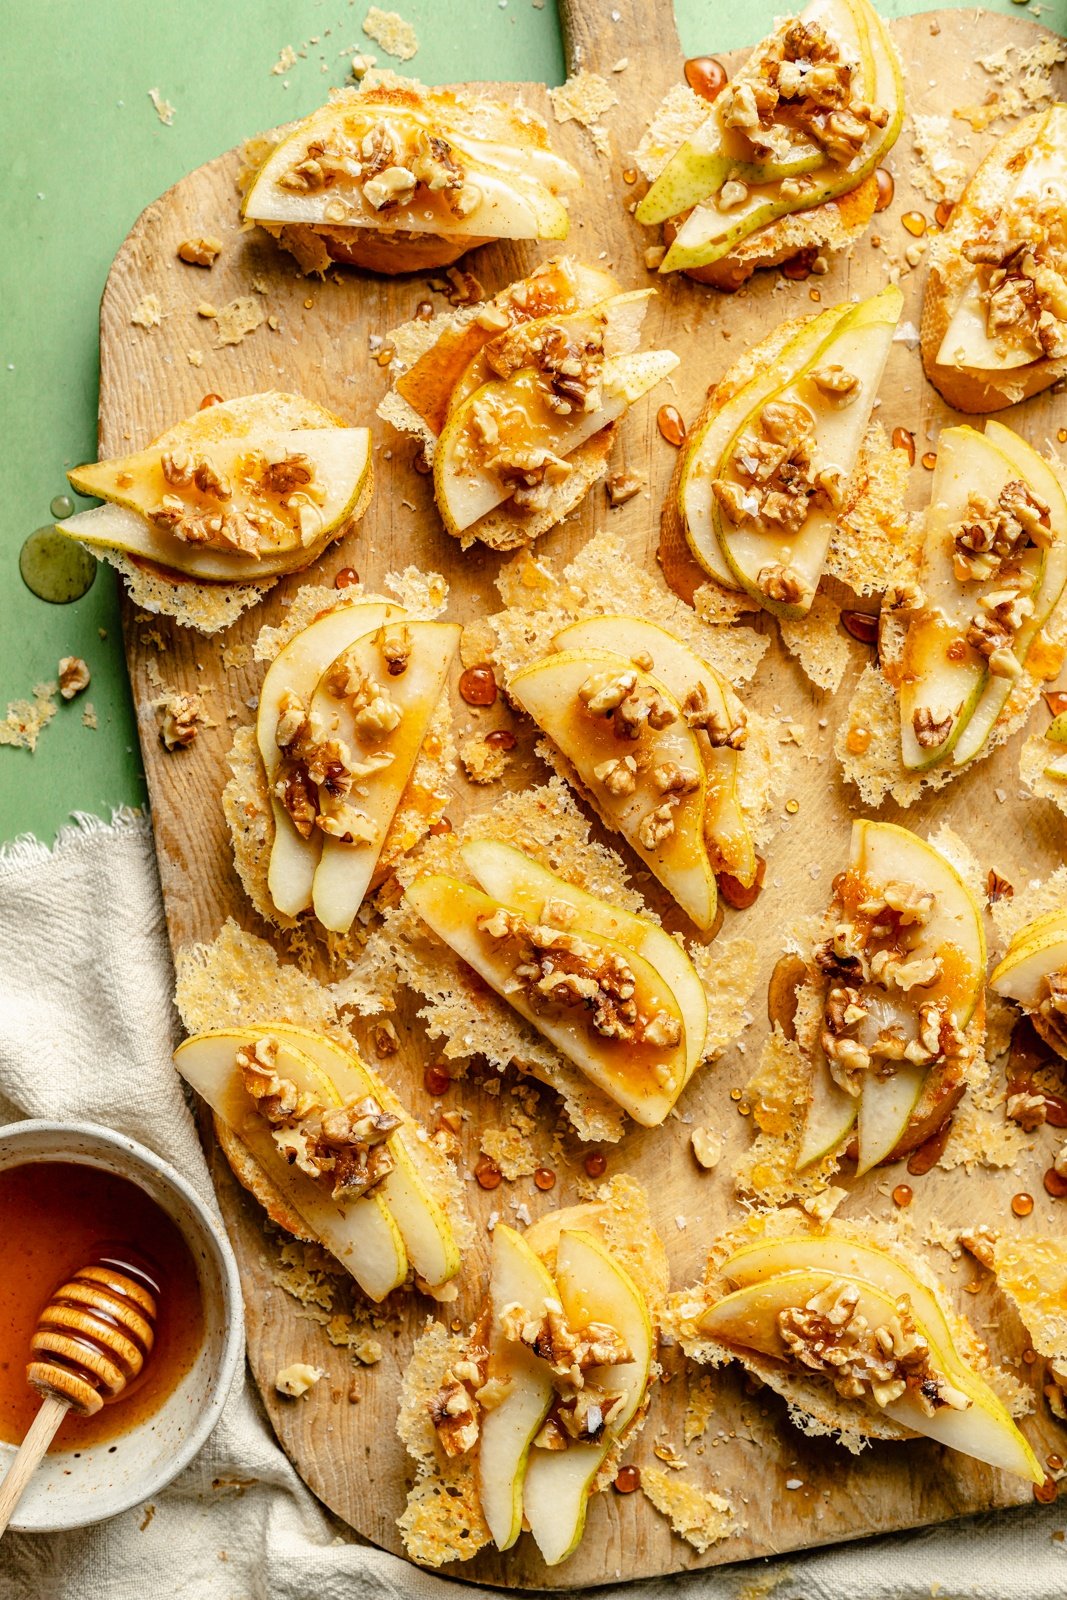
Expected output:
{"points": [[86, 1032]]}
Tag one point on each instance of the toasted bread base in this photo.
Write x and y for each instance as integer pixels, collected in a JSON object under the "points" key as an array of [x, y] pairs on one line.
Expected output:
{"points": [[970, 389], [385, 251], [250, 1175], [504, 528]]}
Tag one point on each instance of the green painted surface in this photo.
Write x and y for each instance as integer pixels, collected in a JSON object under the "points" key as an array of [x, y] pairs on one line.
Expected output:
{"points": [[84, 153]]}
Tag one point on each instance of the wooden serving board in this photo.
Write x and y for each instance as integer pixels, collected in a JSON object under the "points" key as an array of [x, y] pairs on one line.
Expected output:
{"points": [[348, 1453]]}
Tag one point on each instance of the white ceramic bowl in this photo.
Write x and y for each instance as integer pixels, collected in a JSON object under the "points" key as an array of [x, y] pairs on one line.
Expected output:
{"points": [[69, 1491]]}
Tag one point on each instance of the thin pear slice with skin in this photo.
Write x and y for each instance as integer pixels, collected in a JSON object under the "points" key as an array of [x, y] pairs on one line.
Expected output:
{"points": [[517, 1277], [715, 152], [592, 1288], [548, 690], [523, 885], [860, 343], [466, 492], [644, 1079], [361, 1234], [1048, 589], [706, 447], [885, 1109], [1023, 973], [831, 1115], [748, 1319], [937, 670], [681, 669], [296, 670], [342, 461], [424, 1225], [709, 233], [345, 871]]}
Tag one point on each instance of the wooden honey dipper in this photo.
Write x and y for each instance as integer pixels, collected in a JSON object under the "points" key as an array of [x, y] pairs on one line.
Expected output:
{"points": [[92, 1339]]}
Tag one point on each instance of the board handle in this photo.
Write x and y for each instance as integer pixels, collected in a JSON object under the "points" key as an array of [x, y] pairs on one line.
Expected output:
{"points": [[645, 34]]}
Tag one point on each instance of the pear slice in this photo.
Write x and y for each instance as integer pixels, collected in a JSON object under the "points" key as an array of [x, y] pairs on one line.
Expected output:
{"points": [[363, 1234], [549, 691], [726, 828], [748, 1320], [710, 232], [701, 165], [517, 1277], [525, 886], [644, 1079], [1051, 566], [515, 182], [467, 488], [831, 1115], [424, 1225], [1056, 768], [1034, 955], [592, 1288], [345, 870], [296, 670], [338, 458], [885, 1109], [706, 446], [860, 344]]}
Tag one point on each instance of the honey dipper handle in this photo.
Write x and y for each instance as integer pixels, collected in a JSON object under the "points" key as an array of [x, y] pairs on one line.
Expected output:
{"points": [[32, 1450]]}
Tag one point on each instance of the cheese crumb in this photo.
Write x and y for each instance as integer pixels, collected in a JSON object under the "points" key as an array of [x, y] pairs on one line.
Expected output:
{"points": [[699, 1516], [584, 99], [389, 29], [286, 59], [298, 1379], [237, 320], [148, 312], [21, 727], [164, 109]]}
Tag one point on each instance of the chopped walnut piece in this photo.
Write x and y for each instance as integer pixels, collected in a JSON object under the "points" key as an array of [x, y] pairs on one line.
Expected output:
{"points": [[298, 1379], [979, 1242], [277, 1099], [619, 777], [623, 486], [823, 1205], [1028, 1110], [931, 729], [73, 676], [706, 1145], [656, 826], [182, 717], [728, 729], [836, 383], [454, 1414], [603, 692], [394, 641], [783, 584], [570, 1352], [200, 251], [288, 476], [393, 186]]}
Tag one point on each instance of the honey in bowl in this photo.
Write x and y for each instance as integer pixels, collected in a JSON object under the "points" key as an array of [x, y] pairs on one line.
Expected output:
{"points": [[58, 1216]]}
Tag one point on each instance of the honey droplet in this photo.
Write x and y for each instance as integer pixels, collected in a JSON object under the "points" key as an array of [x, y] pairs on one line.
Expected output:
{"points": [[903, 1194], [627, 1479], [1022, 1204], [670, 424], [1061, 435], [929, 1152], [815, 294], [210, 400], [1045, 1492], [792, 806], [942, 212], [630, 175], [55, 568], [1054, 1462], [798, 267], [930, 460], [743, 1108], [477, 685], [705, 76], [862, 625], [384, 356], [1054, 1184], [915, 223], [62, 506], [857, 741], [347, 578], [1055, 1110], [1056, 700], [740, 896], [545, 1178], [424, 311], [442, 825], [488, 1173], [436, 1080], [595, 1164], [904, 439], [502, 738], [421, 461], [735, 1094], [886, 189], [1028, 1357]]}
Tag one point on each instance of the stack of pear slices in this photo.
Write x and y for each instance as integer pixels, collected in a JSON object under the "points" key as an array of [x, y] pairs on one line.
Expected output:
{"points": [[941, 674], [689, 189], [519, 1482], [1036, 955], [776, 1274], [913, 1100], [321, 873], [855, 338], [645, 1080], [467, 486], [711, 831], [399, 1225], [236, 440]]}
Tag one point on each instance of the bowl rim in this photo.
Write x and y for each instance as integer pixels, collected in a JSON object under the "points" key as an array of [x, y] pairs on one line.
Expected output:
{"points": [[232, 1353]]}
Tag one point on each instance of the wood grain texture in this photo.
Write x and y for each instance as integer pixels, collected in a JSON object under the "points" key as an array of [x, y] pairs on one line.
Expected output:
{"points": [[348, 1452]]}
